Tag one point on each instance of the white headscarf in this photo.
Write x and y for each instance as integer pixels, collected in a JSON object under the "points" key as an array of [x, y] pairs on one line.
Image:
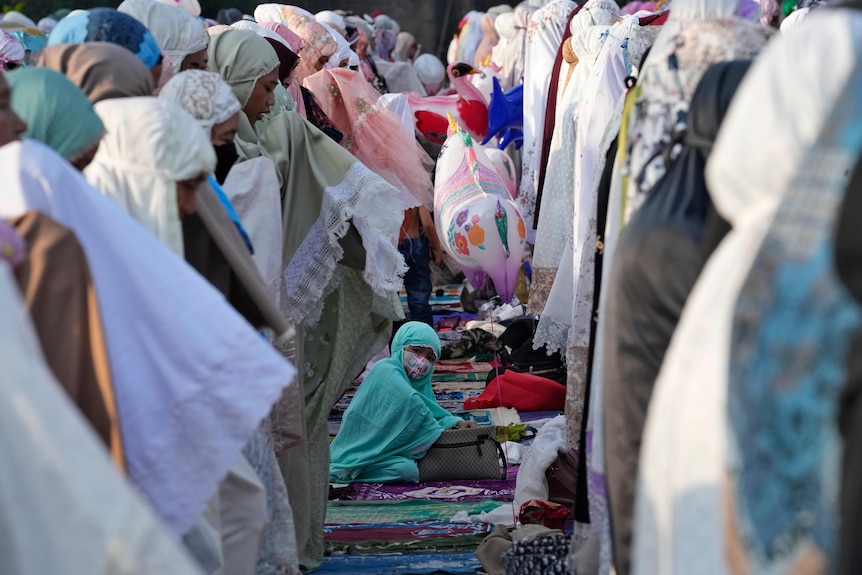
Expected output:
{"points": [[783, 104], [342, 53], [193, 379], [45, 25], [794, 20], [331, 19], [384, 22], [177, 33], [14, 17], [149, 146], [431, 72], [192, 7], [57, 478], [204, 95], [504, 24]]}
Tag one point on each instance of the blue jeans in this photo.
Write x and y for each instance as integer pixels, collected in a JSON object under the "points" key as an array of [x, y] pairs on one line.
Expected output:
{"points": [[417, 280]]}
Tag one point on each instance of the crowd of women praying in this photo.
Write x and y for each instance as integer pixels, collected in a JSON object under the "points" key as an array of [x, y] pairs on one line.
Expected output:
{"points": [[206, 223]]}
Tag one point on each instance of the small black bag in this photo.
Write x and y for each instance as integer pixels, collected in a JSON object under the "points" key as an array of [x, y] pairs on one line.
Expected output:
{"points": [[472, 453], [519, 338]]}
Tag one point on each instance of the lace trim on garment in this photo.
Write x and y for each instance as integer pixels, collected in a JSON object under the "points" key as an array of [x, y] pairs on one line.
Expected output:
{"points": [[376, 209], [540, 289], [577, 359], [552, 334]]}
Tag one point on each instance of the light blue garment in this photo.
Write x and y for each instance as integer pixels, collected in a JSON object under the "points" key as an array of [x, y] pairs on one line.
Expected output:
{"points": [[228, 207], [33, 43], [392, 420], [108, 25]]}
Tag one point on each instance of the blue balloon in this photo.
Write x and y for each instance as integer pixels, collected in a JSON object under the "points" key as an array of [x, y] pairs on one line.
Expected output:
{"points": [[511, 136], [505, 112]]}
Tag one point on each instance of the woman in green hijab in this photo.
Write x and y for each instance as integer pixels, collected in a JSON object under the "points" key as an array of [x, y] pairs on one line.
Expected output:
{"points": [[57, 113], [342, 267]]}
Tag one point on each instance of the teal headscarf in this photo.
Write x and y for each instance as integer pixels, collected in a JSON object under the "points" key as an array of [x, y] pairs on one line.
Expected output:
{"points": [[56, 111], [392, 420]]}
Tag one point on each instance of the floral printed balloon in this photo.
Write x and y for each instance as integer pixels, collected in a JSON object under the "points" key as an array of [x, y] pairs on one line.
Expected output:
{"points": [[477, 220]]}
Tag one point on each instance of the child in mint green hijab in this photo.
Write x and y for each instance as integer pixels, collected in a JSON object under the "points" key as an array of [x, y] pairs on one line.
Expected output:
{"points": [[394, 417], [57, 113]]}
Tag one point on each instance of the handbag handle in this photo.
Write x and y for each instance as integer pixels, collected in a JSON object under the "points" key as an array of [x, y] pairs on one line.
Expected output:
{"points": [[505, 472]]}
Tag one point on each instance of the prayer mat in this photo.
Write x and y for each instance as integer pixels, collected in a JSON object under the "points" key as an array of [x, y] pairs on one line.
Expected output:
{"points": [[482, 367], [426, 536], [459, 378], [353, 512], [448, 491], [464, 563]]}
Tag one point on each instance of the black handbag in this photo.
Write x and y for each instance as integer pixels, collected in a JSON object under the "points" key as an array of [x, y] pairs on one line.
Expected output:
{"points": [[464, 454], [524, 359]]}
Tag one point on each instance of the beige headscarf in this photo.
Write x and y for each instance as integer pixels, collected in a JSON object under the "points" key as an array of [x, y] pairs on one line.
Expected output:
{"points": [[102, 70], [242, 58]]}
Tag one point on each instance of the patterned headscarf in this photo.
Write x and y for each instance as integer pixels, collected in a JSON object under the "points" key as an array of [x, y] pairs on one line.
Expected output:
{"points": [[178, 33], [698, 33], [319, 42], [108, 25], [56, 111], [150, 145], [33, 41], [204, 95], [102, 70], [11, 52]]}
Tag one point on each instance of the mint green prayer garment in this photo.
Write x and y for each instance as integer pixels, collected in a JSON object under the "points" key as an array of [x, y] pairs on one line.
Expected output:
{"points": [[392, 420]]}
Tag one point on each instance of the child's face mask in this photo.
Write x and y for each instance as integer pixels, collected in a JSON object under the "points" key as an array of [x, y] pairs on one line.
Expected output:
{"points": [[416, 366]]}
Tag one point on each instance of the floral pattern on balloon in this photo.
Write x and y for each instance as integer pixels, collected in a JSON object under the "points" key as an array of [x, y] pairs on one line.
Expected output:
{"points": [[475, 209]]}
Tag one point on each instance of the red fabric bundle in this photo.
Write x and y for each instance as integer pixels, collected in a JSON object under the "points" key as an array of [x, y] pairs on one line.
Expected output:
{"points": [[522, 391], [547, 513]]}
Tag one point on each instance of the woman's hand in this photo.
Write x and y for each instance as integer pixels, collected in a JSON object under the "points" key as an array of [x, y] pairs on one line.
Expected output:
{"points": [[465, 424]]}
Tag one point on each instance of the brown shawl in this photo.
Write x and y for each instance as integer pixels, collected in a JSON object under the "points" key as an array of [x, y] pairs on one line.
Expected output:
{"points": [[102, 70], [58, 291]]}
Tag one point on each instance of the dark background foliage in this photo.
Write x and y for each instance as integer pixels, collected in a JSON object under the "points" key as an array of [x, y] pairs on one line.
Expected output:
{"points": [[433, 22]]}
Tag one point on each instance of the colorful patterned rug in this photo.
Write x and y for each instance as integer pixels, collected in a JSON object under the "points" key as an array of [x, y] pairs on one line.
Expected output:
{"points": [[447, 491], [408, 537], [464, 563], [370, 512]]}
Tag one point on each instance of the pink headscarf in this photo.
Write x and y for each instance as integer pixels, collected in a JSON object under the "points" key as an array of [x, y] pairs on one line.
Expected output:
{"points": [[770, 10], [294, 41], [372, 133], [634, 7], [489, 39], [11, 51]]}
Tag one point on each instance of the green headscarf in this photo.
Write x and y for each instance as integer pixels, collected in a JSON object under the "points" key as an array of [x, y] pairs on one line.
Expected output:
{"points": [[56, 111], [242, 58]]}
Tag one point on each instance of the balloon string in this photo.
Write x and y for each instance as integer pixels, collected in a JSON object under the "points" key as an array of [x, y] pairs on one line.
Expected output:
{"points": [[498, 364]]}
